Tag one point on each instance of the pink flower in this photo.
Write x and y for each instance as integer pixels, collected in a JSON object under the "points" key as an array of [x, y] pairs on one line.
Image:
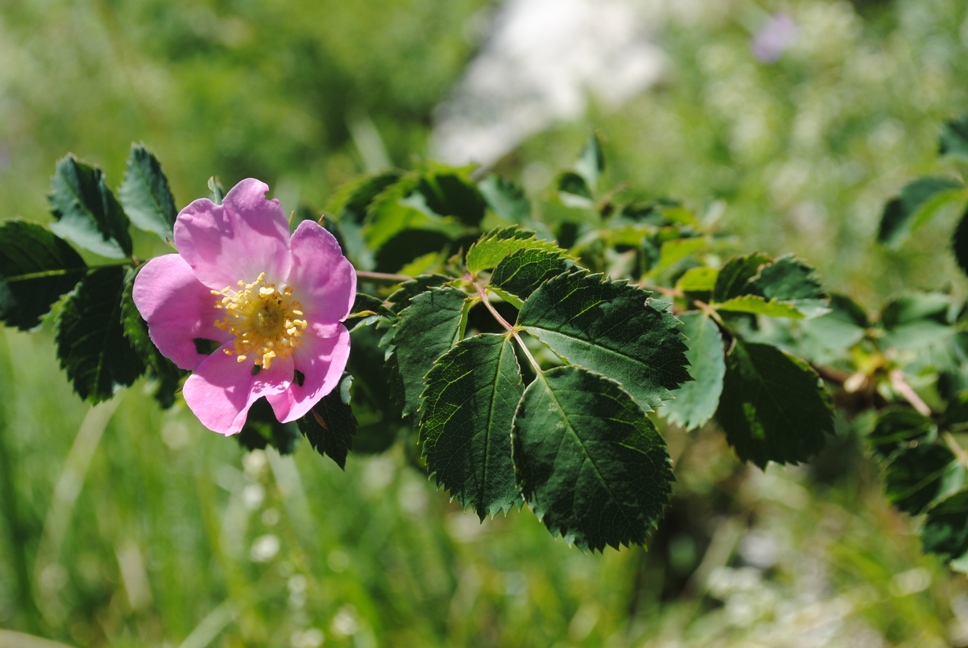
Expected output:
{"points": [[273, 303]]}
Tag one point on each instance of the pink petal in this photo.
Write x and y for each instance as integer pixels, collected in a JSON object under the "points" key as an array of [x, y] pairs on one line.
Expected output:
{"points": [[321, 361], [244, 236], [178, 309], [322, 279], [222, 390]]}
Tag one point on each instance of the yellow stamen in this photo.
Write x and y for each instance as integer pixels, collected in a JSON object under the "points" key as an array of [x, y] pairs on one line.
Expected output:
{"points": [[265, 321]]}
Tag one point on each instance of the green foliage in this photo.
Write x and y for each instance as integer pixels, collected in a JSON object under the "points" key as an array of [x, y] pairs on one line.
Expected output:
{"points": [[695, 402], [915, 205], [37, 268], [145, 194], [954, 138], [330, 425]]}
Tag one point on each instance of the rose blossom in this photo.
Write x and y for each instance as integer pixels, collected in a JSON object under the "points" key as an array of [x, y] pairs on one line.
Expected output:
{"points": [[273, 303]]}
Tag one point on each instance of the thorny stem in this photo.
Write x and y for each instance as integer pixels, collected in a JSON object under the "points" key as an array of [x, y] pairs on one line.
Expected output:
{"points": [[510, 329]]}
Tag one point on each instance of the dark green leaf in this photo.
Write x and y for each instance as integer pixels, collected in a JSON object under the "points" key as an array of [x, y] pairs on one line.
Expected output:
{"points": [[917, 320], [695, 402], [783, 281], [91, 344], [793, 282], [945, 530], [612, 328], [465, 428], [734, 278], [494, 246], [367, 309], [401, 297], [591, 466], [262, 430], [330, 425], [166, 375], [86, 211], [449, 192], [36, 268], [913, 479], [427, 329], [505, 198], [351, 204], [520, 273], [959, 243], [145, 194], [774, 407], [914, 206], [591, 162], [954, 138], [895, 429], [574, 191]]}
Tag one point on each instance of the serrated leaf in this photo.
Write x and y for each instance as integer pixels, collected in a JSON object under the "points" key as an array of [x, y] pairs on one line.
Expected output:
{"points": [[494, 246], [405, 292], [506, 198], [330, 425], [591, 162], [573, 191], [145, 194], [521, 272], [91, 345], [733, 279], [164, 372], [36, 268], [945, 530], [915, 204], [895, 429], [701, 279], [954, 138], [913, 478], [427, 329], [959, 243], [465, 427], [759, 306], [86, 211], [695, 402], [612, 328], [784, 280], [591, 465], [774, 407]]}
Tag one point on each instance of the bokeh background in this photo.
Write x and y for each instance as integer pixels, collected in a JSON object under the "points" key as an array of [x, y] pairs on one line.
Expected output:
{"points": [[126, 526]]}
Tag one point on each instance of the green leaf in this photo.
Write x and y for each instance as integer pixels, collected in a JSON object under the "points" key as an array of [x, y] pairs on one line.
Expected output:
{"points": [[330, 425], [591, 465], [591, 162], [505, 198], [36, 268], [402, 296], [917, 320], [262, 430], [824, 339], [895, 429], [945, 530], [91, 345], [774, 407], [428, 328], [447, 191], [573, 191], [695, 402], [676, 250], [794, 282], [702, 279], [914, 206], [145, 194], [759, 306], [954, 138], [494, 246], [914, 478], [166, 375], [959, 243], [216, 189], [86, 211], [734, 278], [468, 409], [521, 272], [612, 328]]}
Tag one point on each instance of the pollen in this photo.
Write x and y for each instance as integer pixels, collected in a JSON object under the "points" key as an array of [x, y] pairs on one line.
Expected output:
{"points": [[266, 321]]}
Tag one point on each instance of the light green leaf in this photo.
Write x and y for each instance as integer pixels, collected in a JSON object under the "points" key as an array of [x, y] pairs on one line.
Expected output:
{"points": [[774, 407], [573, 191], [676, 250], [591, 162], [612, 328], [590, 463], [465, 427], [915, 204], [494, 246], [145, 194], [36, 268], [426, 330], [91, 345], [505, 198], [695, 402], [759, 306], [85, 210], [701, 279]]}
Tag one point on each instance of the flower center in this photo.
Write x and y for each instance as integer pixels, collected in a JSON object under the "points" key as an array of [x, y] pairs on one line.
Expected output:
{"points": [[267, 322]]}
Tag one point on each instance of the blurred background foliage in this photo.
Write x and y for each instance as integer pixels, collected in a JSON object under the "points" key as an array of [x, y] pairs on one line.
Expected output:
{"points": [[127, 526]]}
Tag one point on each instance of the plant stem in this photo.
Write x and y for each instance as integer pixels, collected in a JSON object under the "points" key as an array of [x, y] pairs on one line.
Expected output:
{"points": [[504, 323], [904, 389], [382, 276]]}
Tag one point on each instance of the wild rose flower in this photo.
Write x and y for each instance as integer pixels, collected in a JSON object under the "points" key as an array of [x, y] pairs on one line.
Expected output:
{"points": [[273, 303]]}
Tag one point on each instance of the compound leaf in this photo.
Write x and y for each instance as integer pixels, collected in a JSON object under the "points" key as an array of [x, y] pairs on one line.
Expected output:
{"points": [[330, 425], [695, 402], [145, 194], [91, 344], [36, 268], [86, 211], [465, 426], [591, 465], [612, 328], [774, 407]]}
